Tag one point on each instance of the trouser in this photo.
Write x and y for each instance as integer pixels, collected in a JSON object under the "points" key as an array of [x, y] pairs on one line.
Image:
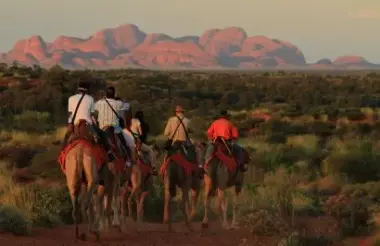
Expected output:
{"points": [[236, 149], [95, 131], [102, 140], [197, 150], [124, 143], [146, 149]]}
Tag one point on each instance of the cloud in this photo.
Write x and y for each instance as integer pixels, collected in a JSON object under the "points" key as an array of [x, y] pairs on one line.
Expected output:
{"points": [[365, 14]]}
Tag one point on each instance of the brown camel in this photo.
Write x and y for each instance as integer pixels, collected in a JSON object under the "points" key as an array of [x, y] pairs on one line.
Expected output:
{"points": [[139, 183], [219, 177], [177, 172], [109, 186], [80, 163], [106, 179]]}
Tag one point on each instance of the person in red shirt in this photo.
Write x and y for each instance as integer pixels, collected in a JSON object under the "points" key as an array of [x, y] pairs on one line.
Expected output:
{"points": [[224, 128]]}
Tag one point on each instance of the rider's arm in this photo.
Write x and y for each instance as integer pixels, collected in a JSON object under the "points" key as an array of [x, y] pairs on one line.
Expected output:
{"points": [[189, 128], [168, 128], [94, 111], [234, 132], [210, 131], [69, 109], [139, 130]]}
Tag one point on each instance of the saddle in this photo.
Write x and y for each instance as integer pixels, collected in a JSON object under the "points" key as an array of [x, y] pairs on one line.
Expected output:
{"points": [[225, 153], [182, 155], [79, 131]]}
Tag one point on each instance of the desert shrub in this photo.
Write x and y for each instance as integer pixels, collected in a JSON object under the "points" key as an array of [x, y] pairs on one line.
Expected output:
{"points": [[43, 206], [306, 205], [295, 239], [273, 126], [264, 222], [154, 204], [277, 138], [352, 215], [12, 220], [357, 161], [52, 206], [354, 115], [293, 154], [272, 160], [295, 129], [17, 156], [322, 129], [33, 121], [364, 128], [362, 165], [44, 164]]}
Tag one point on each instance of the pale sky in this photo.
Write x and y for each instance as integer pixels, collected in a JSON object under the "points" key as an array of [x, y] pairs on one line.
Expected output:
{"points": [[320, 28]]}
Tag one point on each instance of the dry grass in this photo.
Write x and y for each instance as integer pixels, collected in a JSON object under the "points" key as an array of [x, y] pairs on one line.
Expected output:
{"points": [[16, 195]]}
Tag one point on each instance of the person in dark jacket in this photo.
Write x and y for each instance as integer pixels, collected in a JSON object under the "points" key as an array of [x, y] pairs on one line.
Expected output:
{"points": [[144, 126]]}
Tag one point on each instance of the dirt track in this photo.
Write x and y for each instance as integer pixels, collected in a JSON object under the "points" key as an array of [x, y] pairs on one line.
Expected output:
{"points": [[151, 234]]}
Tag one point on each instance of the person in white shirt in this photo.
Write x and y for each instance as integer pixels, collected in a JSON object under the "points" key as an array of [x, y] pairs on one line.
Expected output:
{"points": [[107, 117], [81, 106], [133, 143]]}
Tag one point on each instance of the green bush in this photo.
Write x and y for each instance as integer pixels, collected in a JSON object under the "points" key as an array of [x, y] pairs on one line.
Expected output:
{"points": [[277, 138], [52, 206], [354, 115], [12, 220], [362, 165], [154, 204], [33, 121], [352, 214]]}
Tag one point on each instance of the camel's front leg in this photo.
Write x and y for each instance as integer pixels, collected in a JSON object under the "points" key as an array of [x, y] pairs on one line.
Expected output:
{"points": [[234, 223], [116, 203], [224, 205], [207, 194], [99, 208], [123, 194], [193, 205], [167, 204], [185, 205]]}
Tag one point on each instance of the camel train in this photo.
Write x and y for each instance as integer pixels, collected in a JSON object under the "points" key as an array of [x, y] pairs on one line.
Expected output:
{"points": [[102, 187]]}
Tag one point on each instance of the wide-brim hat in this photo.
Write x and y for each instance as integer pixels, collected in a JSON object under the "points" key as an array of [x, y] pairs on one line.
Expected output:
{"points": [[223, 113]]}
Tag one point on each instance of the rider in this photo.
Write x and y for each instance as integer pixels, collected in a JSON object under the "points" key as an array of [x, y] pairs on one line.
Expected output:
{"points": [[144, 126], [224, 128], [179, 132], [137, 146], [106, 116], [82, 106]]}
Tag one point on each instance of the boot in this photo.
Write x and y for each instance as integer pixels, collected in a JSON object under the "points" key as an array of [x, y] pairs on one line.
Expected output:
{"points": [[110, 155], [243, 168]]}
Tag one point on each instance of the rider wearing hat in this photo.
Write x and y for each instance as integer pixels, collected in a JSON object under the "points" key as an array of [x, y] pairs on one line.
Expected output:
{"points": [[178, 129], [223, 128]]}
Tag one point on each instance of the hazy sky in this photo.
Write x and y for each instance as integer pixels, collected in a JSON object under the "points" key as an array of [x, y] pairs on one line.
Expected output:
{"points": [[320, 28]]}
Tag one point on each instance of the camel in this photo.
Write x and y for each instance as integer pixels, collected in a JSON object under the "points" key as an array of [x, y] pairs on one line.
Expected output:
{"points": [[219, 178], [177, 172], [140, 179], [80, 161], [104, 182], [108, 194]]}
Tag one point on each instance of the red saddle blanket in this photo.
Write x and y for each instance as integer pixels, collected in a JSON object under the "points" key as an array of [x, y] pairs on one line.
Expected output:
{"points": [[229, 161], [145, 168], [180, 160], [98, 151]]}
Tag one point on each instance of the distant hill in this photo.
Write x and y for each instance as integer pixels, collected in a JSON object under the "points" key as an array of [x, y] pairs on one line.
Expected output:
{"points": [[128, 46]]}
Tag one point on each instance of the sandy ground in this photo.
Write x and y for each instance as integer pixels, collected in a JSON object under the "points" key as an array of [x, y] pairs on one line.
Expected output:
{"points": [[149, 234]]}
